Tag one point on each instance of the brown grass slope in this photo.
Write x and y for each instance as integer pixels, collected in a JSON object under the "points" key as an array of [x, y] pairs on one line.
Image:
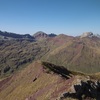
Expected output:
{"points": [[77, 54], [36, 82], [80, 54], [45, 81], [15, 54]]}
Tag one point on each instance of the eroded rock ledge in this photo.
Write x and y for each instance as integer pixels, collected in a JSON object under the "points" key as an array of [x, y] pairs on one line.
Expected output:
{"points": [[85, 90]]}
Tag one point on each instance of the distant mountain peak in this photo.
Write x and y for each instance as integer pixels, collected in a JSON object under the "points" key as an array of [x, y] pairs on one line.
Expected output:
{"points": [[8, 35], [40, 32], [41, 35], [90, 35], [87, 34]]}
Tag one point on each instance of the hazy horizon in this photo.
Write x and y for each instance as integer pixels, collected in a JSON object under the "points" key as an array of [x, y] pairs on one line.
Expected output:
{"points": [[71, 17]]}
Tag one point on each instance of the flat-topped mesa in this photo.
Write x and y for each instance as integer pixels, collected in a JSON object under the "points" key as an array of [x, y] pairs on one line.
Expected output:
{"points": [[87, 34]]}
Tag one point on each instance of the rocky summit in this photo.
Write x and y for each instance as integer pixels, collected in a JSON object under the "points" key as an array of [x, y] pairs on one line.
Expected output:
{"points": [[87, 34]]}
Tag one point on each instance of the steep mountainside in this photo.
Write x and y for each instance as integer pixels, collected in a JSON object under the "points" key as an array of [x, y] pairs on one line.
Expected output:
{"points": [[32, 69], [45, 81], [75, 53], [80, 54], [15, 54]]}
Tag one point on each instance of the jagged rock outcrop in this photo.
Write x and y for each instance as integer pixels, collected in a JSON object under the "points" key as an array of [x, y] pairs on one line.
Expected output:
{"points": [[85, 90], [87, 34]]}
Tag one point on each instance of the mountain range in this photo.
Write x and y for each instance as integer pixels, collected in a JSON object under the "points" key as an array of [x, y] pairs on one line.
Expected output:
{"points": [[76, 53], [49, 66]]}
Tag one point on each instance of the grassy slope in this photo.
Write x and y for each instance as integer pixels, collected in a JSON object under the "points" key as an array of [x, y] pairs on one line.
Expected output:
{"points": [[40, 81], [21, 85], [74, 53], [78, 54], [16, 54]]}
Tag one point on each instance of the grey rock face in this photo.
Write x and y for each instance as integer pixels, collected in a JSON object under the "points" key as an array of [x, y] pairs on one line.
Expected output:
{"points": [[87, 34]]}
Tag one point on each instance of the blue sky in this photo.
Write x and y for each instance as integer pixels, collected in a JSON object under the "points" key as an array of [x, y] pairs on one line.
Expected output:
{"points": [[71, 17]]}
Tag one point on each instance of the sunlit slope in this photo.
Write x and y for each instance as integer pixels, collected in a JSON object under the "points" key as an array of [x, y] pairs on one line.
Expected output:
{"points": [[46, 81], [35, 81], [78, 54]]}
